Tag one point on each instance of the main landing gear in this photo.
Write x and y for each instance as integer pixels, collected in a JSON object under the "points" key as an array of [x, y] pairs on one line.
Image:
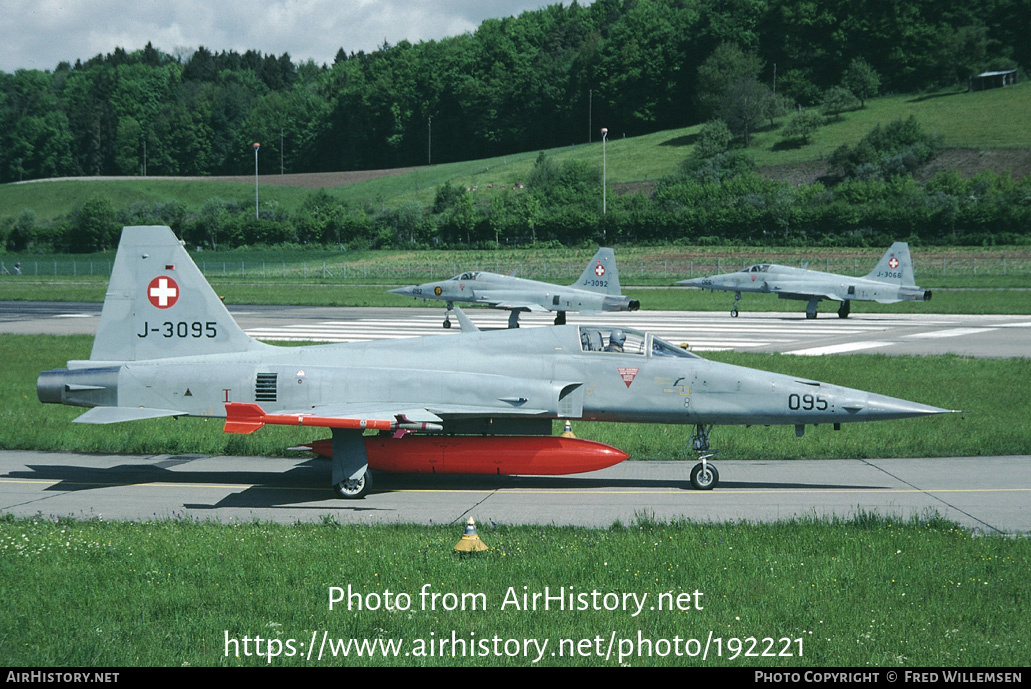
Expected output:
{"points": [[704, 475], [844, 309], [810, 309], [352, 489], [560, 318], [733, 309]]}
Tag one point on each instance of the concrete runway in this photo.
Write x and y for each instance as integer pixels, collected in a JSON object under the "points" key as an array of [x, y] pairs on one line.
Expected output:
{"points": [[991, 336], [989, 494], [985, 494]]}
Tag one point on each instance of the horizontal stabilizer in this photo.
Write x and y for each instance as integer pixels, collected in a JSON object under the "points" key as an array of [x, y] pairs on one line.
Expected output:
{"points": [[101, 415]]}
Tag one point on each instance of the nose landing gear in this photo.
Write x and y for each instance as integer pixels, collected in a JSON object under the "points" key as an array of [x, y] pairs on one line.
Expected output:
{"points": [[704, 475]]}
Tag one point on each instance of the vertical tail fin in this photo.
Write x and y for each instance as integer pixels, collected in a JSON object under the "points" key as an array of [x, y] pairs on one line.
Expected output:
{"points": [[601, 274], [159, 305], [895, 266]]}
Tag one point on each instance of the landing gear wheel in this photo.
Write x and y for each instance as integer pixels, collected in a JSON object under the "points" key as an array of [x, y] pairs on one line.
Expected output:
{"points": [[733, 309], [560, 318], [704, 477], [809, 314], [447, 323], [355, 489], [844, 309]]}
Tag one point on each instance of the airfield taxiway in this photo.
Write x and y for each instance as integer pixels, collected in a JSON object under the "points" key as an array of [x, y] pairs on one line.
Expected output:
{"points": [[992, 336], [985, 494]]}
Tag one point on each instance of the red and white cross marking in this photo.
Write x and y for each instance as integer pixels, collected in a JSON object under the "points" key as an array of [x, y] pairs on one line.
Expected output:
{"points": [[599, 269], [163, 292], [893, 263]]}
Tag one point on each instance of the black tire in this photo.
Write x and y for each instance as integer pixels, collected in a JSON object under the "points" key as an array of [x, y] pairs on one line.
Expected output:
{"points": [[447, 324], [354, 490], [704, 480]]}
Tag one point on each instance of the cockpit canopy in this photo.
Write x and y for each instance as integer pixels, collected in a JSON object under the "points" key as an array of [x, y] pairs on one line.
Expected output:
{"points": [[466, 277], [595, 338], [757, 268]]}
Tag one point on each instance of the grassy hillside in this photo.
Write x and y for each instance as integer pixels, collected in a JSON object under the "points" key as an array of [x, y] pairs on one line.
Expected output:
{"points": [[987, 120]]}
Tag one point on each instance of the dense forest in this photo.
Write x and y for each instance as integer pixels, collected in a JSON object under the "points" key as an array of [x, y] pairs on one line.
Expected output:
{"points": [[542, 79]]}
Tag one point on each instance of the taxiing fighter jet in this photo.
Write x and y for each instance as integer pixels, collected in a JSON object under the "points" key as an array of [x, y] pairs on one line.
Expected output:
{"points": [[596, 290], [474, 402], [891, 281]]}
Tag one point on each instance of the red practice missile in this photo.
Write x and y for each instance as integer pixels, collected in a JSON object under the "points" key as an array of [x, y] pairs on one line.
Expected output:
{"points": [[501, 455]]}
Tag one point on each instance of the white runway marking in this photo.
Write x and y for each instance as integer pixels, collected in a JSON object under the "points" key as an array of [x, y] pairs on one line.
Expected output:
{"points": [[839, 348], [954, 332]]}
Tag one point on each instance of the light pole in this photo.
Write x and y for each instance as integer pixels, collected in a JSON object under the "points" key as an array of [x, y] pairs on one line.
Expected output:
{"points": [[604, 139], [256, 147]]}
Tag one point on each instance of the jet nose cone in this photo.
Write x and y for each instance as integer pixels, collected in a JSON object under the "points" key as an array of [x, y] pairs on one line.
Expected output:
{"points": [[403, 291], [693, 282], [884, 407]]}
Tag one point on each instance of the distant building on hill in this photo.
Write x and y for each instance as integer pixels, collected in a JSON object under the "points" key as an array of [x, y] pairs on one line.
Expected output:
{"points": [[993, 80]]}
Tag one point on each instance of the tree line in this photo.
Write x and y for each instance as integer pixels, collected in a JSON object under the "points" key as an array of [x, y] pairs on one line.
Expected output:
{"points": [[546, 78], [870, 198]]}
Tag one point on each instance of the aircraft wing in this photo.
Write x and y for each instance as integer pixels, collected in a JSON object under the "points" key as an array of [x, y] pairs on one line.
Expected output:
{"points": [[520, 306], [797, 290], [243, 417], [506, 299]]}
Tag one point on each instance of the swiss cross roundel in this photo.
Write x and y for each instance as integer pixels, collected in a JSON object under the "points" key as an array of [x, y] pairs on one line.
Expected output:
{"points": [[163, 292], [893, 262], [599, 270]]}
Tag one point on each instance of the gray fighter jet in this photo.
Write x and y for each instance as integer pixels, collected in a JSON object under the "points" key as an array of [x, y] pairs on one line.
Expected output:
{"points": [[474, 402], [889, 282], [596, 290]]}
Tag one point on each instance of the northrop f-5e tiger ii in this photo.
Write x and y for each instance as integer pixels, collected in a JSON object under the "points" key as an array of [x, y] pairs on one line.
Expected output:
{"points": [[889, 282], [472, 402], [596, 290]]}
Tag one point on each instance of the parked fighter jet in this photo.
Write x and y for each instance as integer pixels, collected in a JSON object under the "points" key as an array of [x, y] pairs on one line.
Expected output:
{"points": [[475, 402], [889, 282], [596, 290]]}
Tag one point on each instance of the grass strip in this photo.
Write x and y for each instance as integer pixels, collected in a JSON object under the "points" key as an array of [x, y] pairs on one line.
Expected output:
{"points": [[863, 592], [992, 299]]}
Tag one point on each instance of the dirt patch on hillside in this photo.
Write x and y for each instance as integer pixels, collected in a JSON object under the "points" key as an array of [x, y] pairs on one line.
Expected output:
{"points": [[798, 174], [970, 161]]}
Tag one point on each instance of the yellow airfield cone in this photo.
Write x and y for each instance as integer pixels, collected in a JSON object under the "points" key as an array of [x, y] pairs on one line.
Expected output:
{"points": [[470, 542]]}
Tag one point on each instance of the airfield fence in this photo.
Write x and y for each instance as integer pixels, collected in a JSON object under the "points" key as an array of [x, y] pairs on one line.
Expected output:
{"points": [[559, 271]]}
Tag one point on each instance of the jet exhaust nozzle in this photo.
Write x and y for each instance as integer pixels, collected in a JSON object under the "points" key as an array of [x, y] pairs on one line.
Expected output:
{"points": [[87, 387]]}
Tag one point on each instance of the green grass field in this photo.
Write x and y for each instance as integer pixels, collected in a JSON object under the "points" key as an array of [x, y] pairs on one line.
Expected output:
{"points": [[982, 300], [864, 593]]}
